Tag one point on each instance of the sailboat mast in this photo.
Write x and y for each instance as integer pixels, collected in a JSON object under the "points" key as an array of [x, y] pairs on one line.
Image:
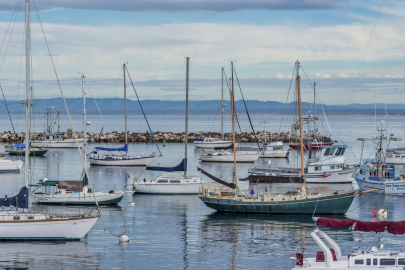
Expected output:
{"points": [[84, 123], [186, 130], [222, 106], [314, 106], [233, 128], [27, 90], [300, 116], [125, 105]]}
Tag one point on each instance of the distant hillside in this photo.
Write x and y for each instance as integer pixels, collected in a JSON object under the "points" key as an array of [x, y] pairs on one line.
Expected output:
{"points": [[116, 106]]}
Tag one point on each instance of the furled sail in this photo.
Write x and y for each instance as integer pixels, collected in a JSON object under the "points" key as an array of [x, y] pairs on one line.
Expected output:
{"points": [[20, 200], [216, 179], [124, 148], [182, 167]]}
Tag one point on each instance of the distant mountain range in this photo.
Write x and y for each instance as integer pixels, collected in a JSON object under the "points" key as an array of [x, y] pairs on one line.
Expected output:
{"points": [[116, 106]]}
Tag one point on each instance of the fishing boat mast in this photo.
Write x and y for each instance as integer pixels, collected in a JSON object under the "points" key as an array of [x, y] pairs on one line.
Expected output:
{"points": [[300, 119], [233, 129], [27, 91], [222, 106], [186, 130], [125, 105], [84, 122]]}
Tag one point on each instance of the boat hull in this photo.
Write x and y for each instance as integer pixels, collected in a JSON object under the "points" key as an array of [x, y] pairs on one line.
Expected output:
{"points": [[317, 145], [274, 154], [33, 153], [68, 143], [106, 199], [387, 187], [10, 165], [240, 158], [167, 189], [142, 161], [52, 229], [328, 205], [212, 145]]}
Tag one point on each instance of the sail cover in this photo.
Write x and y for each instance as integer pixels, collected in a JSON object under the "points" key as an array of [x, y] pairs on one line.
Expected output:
{"points": [[394, 227], [182, 167], [124, 148], [216, 179], [20, 200]]}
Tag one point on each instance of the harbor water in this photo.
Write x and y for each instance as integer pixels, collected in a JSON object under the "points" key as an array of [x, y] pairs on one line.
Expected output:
{"points": [[180, 232]]}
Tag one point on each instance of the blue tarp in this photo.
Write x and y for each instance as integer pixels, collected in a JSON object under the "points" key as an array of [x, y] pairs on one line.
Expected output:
{"points": [[20, 145], [124, 148], [182, 167], [20, 200]]}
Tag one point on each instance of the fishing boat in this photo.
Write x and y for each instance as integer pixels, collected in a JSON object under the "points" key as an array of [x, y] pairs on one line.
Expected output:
{"points": [[395, 156], [376, 174], [53, 138], [301, 201], [73, 192], [27, 225], [7, 165], [112, 159], [19, 150], [329, 167], [361, 258], [170, 185]]}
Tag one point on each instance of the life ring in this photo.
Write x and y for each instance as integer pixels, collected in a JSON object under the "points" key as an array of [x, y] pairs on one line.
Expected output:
{"points": [[325, 175]]}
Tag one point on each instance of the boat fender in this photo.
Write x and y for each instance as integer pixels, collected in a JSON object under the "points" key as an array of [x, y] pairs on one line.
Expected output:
{"points": [[382, 214], [111, 192], [123, 238], [325, 175]]}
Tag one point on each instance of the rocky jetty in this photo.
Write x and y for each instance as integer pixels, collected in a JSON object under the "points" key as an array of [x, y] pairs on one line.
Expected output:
{"points": [[10, 137]]}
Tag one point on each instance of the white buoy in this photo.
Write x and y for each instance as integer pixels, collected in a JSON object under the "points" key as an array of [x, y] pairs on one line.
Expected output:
{"points": [[56, 155], [124, 238], [269, 162], [132, 203], [382, 214]]}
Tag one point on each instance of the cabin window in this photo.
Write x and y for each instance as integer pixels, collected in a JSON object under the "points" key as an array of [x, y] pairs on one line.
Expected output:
{"points": [[16, 218], [368, 261], [162, 181], [342, 152], [30, 217], [387, 261], [338, 151], [332, 167], [175, 181], [401, 261], [375, 261], [317, 168], [358, 261], [329, 152], [341, 166]]}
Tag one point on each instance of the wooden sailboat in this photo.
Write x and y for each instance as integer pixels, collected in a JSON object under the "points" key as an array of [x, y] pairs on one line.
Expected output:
{"points": [[170, 185], [302, 201], [26, 225]]}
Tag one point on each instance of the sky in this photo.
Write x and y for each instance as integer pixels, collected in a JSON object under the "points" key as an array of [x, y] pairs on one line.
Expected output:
{"points": [[264, 38]]}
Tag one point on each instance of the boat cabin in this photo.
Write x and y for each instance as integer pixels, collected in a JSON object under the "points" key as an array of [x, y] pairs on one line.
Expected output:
{"points": [[331, 159]]}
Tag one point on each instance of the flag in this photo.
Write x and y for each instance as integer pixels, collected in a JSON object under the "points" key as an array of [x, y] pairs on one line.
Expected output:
{"points": [[101, 132]]}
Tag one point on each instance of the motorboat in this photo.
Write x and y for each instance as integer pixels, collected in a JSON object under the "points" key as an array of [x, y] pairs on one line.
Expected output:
{"points": [[211, 143], [274, 150], [330, 256], [7, 165], [228, 156], [19, 150]]}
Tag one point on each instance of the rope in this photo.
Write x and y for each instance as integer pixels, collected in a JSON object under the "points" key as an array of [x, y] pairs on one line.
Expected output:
{"points": [[7, 109], [151, 132]]}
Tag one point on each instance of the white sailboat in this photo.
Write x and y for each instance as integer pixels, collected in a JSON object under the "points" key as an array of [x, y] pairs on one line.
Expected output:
{"points": [[211, 143], [7, 165], [25, 225], [168, 185], [73, 192], [112, 159]]}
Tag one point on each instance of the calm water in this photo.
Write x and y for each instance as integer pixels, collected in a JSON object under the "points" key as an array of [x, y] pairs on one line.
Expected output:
{"points": [[175, 232]]}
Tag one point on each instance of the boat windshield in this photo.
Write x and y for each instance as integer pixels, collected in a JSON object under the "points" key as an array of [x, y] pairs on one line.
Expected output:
{"points": [[329, 151]]}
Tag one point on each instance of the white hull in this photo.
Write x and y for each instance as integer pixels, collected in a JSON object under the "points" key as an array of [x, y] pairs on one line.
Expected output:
{"points": [[399, 160], [274, 154], [185, 186], [386, 187], [333, 177], [51, 229], [141, 161], [229, 157], [78, 198], [68, 143], [10, 165], [212, 145]]}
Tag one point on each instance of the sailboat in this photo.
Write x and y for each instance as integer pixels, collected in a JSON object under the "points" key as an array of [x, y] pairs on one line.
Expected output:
{"points": [[301, 201], [26, 225], [7, 165], [124, 159], [73, 192], [211, 143], [170, 185]]}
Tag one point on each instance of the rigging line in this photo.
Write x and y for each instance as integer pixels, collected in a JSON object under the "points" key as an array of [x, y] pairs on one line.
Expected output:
{"points": [[286, 101], [243, 98], [151, 132], [67, 110], [4, 6], [195, 80], [115, 91], [365, 53], [7, 109], [234, 107], [19, 77], [11, 20]]}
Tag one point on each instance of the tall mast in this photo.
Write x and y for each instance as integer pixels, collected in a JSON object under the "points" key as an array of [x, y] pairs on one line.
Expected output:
{"points": [[27, 90], [314, 106], [265, 128], [186, 131], [222, 106], [84, 123], [300, 116], [125, 105], [233, 129]]}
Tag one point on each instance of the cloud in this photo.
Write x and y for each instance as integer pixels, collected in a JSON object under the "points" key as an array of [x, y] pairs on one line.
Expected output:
{"points": [[172, 6]]}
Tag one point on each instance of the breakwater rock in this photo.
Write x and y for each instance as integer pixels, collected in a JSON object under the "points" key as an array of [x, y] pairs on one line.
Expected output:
{"points": [[10, 137]]}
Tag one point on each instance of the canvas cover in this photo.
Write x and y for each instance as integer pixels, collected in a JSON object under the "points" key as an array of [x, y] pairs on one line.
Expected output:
{"points": [[182, 167], [20, 200], [71, 185], [124, 148]]}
